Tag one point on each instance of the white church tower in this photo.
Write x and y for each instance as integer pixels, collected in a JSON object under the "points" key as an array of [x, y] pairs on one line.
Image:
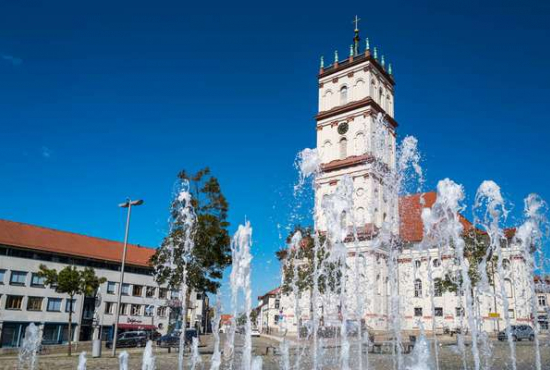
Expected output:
{"points": [[352, 93], [351, 141]]}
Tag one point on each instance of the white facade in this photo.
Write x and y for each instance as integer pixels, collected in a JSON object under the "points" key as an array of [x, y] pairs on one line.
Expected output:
{"points": [[270, 312], [445, 310], [52, 310], [25, 299], [349, 101], [351, 96]]}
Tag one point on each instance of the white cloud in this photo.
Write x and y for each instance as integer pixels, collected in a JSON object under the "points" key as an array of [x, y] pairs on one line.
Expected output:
{"points": [[13, 60], [46, 152]]}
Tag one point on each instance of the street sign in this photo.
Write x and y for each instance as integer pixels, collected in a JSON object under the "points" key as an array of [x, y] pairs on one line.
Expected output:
{"points": [[494, 315]]}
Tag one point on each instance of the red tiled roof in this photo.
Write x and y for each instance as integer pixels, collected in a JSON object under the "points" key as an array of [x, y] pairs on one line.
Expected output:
{"points": [[271, 292], [226, 319], [411, 228], [56, 241], [543, 279]]}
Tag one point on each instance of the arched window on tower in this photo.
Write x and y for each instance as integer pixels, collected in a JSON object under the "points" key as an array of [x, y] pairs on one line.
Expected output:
{"points": [[360, 216], [438, 287], [380, 96], [360, 143], [508, 288], [344, 95], [326, 154], [418, 288], [327, 100], [343, 148], [359, 90], [343, 220]]}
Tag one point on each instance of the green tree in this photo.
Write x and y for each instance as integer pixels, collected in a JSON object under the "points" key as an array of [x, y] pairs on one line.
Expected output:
{"points": [[476, 250], [300, 262], [212, 249], [72, 282]]}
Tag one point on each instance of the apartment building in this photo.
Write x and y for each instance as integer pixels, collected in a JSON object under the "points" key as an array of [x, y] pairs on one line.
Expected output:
{"points": [[24, 298]]}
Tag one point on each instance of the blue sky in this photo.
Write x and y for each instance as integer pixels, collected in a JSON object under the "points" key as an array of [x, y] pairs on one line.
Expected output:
{"points": [[104, 100]]}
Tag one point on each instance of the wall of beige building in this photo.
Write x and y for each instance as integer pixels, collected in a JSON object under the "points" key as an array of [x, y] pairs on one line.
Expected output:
{"points": [[23, 299], [421, 304]]}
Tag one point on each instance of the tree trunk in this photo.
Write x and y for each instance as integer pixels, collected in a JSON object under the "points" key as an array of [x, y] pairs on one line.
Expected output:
{"points": [[70, 324]]}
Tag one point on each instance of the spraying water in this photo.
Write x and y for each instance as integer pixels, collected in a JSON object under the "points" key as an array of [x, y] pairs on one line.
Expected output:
{"points": [[421, 354], [148, 362], [530, 237], [443, 228], [396, 179], [177, 254], [240, 280], [196, 361], [216, 360], [123, 361], [308, 164], [285, 356], [29, 348], [488, 194], [336, 207], [293, 262], [82, 361]]}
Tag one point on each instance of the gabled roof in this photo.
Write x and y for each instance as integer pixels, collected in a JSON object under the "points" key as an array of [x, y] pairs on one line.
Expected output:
{"points": [[411, 228], [270, 293], [32, 237], [226, 319]]}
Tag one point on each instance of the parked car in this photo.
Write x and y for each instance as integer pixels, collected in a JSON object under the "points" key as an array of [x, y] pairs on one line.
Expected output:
{"points": [[519, 332], [129, 339], [153, 335], [255, 333], [240, 330], [173, 339]]}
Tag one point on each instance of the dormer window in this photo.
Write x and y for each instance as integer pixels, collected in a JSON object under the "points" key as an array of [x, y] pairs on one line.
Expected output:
{"points": [[344, 95]]}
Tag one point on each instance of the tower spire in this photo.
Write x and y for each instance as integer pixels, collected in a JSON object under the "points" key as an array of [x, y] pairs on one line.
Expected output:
{"points": [[356, 37]]}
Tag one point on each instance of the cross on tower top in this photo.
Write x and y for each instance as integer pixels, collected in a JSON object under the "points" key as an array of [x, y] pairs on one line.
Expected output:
{"points": [[356, 21]]}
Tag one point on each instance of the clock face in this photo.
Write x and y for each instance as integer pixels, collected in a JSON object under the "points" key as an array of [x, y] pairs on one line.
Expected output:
{"points": [[343, 128]]}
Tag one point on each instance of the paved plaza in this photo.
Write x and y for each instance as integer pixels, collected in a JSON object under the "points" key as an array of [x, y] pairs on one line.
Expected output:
{"points": [[268, 348]]}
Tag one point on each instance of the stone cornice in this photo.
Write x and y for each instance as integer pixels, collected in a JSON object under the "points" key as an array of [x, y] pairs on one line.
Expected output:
{"points": [[353, 61], [347, 162], [350, 162], [367, 102]]}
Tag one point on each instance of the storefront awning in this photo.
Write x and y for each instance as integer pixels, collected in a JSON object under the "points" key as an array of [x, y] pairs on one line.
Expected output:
{"points": [[137, 327]]}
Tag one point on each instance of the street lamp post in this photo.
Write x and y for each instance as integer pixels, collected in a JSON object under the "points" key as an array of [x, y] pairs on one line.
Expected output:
{"points": [[128, 204]]}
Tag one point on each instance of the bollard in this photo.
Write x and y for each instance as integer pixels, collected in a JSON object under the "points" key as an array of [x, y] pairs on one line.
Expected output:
{"points": [[96, 348]]}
